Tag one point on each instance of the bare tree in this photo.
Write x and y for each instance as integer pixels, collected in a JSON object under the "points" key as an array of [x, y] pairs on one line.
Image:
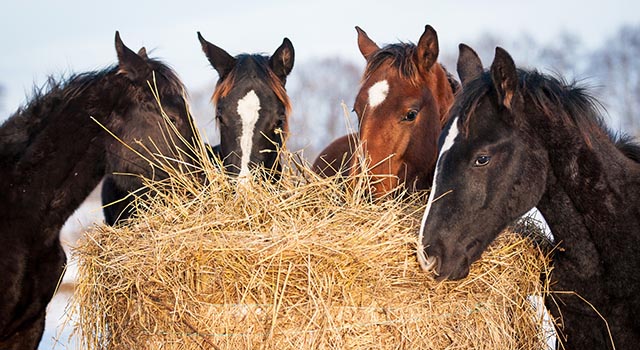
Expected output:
{"points": [[2, 92], [617, 67], [565, 56], [203, 113], [317, 89]]}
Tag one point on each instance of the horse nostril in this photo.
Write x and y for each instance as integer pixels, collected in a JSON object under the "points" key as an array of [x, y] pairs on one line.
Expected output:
{"points": [[428, 263], [432, 261]]}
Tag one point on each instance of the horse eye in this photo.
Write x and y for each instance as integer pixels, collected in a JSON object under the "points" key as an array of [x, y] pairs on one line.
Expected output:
{"points": [[410, 116], [482, 161]]}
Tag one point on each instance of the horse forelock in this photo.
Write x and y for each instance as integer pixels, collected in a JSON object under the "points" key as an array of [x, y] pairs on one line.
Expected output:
{"points": [[226, 84], [399, 56]]}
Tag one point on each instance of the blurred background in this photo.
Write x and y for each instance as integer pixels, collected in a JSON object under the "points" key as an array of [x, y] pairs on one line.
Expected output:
{"points": [[592, 42]]}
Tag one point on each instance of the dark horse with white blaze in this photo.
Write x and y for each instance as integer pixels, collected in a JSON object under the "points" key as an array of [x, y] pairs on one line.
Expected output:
{"points": [[52, 155], [518, 139], [402, 105], [252, 108]]}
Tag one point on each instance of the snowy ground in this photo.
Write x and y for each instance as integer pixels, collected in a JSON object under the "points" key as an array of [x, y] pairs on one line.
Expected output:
{"points": [[58, 329]]}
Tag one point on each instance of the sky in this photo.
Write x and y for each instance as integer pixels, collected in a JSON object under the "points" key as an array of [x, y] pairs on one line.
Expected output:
{"points": [[42, 38]]}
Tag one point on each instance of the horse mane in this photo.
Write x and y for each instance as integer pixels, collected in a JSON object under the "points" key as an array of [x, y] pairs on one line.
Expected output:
{"points": [[45, 100], [628, 145], [174, 85], [554, 96], [400, 56], [224, 86], [455, 85], [55, 94]]}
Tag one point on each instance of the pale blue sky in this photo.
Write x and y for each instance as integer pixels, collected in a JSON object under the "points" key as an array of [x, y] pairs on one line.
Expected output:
{"points": [[40, 38]]}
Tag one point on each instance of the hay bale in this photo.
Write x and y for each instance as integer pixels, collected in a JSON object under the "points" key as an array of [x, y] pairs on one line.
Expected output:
{"points": [[295, 265]]}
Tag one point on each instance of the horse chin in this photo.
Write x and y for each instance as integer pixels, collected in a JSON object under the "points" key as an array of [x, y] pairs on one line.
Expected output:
{"points": [[459, 273]]}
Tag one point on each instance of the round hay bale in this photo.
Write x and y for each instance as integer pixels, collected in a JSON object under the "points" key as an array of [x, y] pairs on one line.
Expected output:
{"points": [[299, 264]]}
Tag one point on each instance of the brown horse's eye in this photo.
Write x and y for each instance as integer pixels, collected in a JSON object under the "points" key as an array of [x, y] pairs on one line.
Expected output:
{"points": [[410, 116]]}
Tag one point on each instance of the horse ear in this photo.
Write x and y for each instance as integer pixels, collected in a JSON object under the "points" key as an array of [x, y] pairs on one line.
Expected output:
{"points": [[281, 61], [221, 61], [504, 76], [365, 44], [469, 64], [427, 49], [143, 53], [130, 64]]}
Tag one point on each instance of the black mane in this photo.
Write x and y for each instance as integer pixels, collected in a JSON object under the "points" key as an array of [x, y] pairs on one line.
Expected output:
{"points": [[555, 97], [174, 85], [55, 94], [627, 145]]}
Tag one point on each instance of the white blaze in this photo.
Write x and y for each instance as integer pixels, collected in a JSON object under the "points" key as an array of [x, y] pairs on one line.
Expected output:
{"points": [[448, 142], [248, 108], [378, 92]]}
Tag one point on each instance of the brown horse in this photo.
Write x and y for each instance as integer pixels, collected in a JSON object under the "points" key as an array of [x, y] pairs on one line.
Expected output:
{"points": [[401, 106]]}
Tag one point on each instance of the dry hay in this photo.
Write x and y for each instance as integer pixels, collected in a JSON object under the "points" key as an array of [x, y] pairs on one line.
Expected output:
{"points": [[295, 265]]}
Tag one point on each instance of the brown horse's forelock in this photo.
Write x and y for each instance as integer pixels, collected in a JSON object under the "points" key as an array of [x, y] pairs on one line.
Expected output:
{"points": [[400, 56], [224, 86], [553, 96]]}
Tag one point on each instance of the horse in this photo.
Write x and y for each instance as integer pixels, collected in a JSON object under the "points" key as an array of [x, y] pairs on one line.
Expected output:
{"points": [[338, 156], [519, 139], [402, 105], [53, 152], [252, 108]]}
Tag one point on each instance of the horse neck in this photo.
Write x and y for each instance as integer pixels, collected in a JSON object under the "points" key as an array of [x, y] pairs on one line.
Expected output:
{"points": [[62, 162], [590, 188]]}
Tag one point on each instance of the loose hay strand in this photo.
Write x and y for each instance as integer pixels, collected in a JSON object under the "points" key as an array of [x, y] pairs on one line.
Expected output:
{"points": [[296, 264]]}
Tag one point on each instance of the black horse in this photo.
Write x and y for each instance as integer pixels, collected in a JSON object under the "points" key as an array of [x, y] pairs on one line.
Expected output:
{"points": [[252, 106], [252, 109], [52, 155], [519, 139]]}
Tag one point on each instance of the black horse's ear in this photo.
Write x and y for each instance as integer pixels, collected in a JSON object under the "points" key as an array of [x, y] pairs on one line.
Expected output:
{"points": [[469, 64], [365, 44], [129, 63], [281, 61], [221, 61], [504, 76], [427, 49], [143, 53]]}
